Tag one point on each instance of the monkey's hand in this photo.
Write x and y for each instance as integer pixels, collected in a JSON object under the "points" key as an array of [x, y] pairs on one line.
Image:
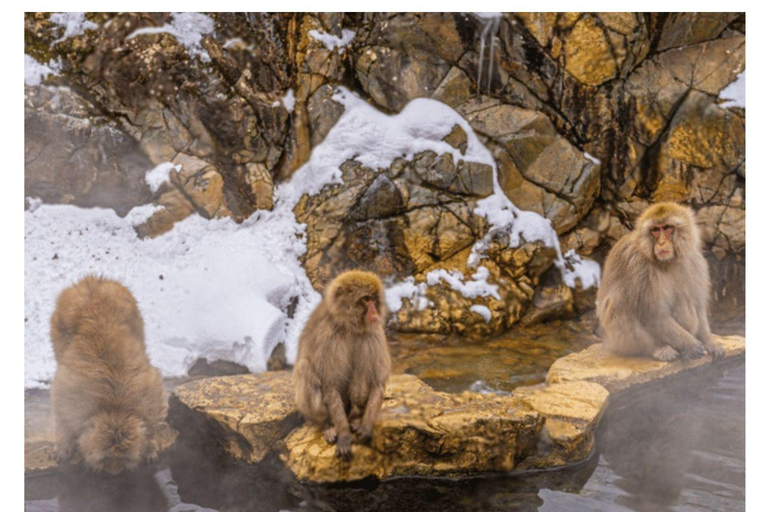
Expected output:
{"points": [[715, 350], [363, 434], [344, 447], [152, 453], [329, 435]]}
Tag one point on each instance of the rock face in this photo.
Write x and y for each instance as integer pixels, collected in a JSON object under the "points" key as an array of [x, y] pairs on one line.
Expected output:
{"points": [[421, 431], [590, 117]]}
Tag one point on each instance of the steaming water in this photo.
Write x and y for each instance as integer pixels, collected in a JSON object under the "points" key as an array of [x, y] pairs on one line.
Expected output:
{"points": [[676, 446]]}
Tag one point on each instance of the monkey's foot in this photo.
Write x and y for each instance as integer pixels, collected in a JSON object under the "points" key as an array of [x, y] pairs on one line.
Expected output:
{"points": [[363, 434], [354, 424], [344, 447], [66, 453], [666, 354], [330, 435]]}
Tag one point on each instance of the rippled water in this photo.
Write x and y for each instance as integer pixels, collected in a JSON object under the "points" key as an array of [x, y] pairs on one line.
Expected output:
{"points": [[676, 446]]}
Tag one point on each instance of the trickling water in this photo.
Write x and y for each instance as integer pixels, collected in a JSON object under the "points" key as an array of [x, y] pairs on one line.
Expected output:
{"points": [[490, 22]]}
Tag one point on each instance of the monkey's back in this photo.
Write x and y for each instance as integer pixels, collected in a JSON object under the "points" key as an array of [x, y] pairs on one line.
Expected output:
{"points": [[98, 339]]}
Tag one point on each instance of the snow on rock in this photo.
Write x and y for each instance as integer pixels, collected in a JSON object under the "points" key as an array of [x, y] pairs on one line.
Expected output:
{"points": [[209, 288], [74, 24], [289, 100], [188, 28], [575, 267], [735, 93], [332, 42], [483, 311], [592, 159], [478, 287], [35, 72], [160, 174], [407, 289]]}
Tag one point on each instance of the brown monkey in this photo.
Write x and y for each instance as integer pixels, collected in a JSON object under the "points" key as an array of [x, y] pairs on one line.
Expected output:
{"points": [[108, 401], [343, 362], [654, 291]]}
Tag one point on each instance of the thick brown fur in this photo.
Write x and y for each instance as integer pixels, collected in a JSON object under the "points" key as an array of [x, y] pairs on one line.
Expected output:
{"points": [[107, 399], [343, 362], [653, 308]]}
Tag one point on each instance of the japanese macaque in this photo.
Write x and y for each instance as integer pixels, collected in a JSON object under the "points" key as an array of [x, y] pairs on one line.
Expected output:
{"points": [[108, 401], [654, 291], [343, 362]]}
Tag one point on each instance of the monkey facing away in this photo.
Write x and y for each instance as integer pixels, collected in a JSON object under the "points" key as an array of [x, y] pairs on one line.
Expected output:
{"points": [[343, 362], [654, 292], [108, 401]]}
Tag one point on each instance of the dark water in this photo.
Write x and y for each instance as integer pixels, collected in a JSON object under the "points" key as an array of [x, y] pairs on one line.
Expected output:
{"points": [[676, 446]]}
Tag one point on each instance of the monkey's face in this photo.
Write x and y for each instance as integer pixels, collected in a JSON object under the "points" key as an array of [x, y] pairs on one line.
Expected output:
{"points": [[114, 443], [371, 311], [663, 234]]}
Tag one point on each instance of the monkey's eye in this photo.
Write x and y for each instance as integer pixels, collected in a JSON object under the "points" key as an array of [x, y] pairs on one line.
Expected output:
{"points": [[668, 229], [656, 231]]}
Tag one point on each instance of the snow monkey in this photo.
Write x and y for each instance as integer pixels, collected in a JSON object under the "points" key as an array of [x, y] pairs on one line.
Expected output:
{"points": [[654, 292], [343, 362], [107, 399]]}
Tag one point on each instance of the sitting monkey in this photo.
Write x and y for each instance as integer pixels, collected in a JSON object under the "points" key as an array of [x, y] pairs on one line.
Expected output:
{"points": [[343, 362], [655, 288]]}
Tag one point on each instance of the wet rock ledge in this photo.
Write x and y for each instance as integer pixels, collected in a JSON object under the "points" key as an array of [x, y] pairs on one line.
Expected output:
{"points": [[422, 431]]}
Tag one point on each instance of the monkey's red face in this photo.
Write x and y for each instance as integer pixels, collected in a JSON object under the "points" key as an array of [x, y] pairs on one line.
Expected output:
{"points": [[663, 234], [371, 309]]}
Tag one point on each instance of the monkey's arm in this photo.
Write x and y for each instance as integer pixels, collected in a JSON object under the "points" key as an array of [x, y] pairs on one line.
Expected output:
{"points": [[335, 405], [668, 331]]}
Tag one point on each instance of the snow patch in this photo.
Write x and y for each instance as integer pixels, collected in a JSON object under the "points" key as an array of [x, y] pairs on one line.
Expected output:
{"points": [[74, 24], [735, 94], [407, 289], [591, 158], [332, 42], [289, 100], [188, 28], [35, 72], [575, 267], [481, 310], [160, 174], [477, 287]]}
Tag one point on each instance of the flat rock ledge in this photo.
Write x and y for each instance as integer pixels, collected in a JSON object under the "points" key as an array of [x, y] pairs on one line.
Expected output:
{"points": [[422, 431]]}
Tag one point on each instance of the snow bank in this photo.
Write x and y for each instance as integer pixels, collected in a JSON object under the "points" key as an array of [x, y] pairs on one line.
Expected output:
{"points": [[188, 28], [289, 100], [74, 24], [407, 289], [35, 72], [735, 93], [332, 42], [208, 288]]}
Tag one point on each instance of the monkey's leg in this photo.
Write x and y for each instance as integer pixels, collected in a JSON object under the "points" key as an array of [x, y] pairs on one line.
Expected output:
{"points": [[669, 332], [371, 412], [335, 405]]}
